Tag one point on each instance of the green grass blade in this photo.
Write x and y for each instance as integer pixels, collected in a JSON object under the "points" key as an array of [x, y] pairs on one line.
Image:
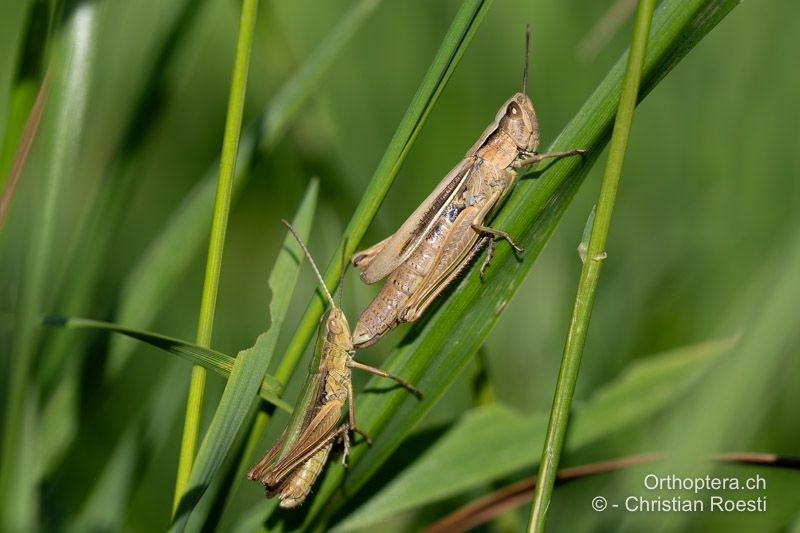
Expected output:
{"points": [[250, 365], [455, 42], [74, 60], [437, 349], [219, 227], [590, 274], [458, 461], [209, 359]]}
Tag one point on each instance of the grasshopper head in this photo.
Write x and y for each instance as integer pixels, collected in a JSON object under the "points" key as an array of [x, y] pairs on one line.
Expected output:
{"points": [[517, 119], [337, 330]]}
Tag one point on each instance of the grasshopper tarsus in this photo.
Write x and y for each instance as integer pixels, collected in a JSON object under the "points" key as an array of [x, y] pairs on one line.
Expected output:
{"points": [[488, 260], [412, 389], [346, 446], [364, 434]]}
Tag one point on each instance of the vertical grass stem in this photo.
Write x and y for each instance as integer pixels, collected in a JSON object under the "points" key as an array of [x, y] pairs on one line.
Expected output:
{"points": [[230, 144], [590, 273]]}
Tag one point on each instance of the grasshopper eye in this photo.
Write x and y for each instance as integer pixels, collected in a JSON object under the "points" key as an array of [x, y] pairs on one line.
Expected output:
{"points": [[513, 110]]}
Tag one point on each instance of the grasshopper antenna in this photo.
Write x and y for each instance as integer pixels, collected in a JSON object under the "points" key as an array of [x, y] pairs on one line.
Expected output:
{"points": [[343, 268], [527, 57], [310, 260]]}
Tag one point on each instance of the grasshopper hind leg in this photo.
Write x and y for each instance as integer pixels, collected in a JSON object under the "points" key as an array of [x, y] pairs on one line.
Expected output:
{"points": [[351, 413]]}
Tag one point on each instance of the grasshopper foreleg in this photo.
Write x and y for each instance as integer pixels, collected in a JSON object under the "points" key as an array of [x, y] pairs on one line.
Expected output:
{"points": [[498, 234]]}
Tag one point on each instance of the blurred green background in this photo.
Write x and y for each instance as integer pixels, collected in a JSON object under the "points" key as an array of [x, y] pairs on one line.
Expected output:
{"points": [[706, 220]]}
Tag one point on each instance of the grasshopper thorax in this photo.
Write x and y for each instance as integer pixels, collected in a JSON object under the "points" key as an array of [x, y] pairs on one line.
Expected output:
{"points": [[333, 335], [517, 119]]}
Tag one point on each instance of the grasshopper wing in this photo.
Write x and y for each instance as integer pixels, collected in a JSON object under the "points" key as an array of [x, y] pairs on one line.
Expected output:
{"points": [[319, 432], [257, 472], [380, 260]]}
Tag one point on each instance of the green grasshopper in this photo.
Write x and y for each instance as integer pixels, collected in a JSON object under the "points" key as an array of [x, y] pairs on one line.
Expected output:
{"points": [[440, 238], [291, 466]]}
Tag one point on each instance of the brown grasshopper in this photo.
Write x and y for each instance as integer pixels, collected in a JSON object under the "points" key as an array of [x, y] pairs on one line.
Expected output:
{"points": [[447, 230], [291, 466]]}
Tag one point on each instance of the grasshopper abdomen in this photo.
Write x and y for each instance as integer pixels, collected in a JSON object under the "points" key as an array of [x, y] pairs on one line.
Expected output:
{"points": [[295, 489], [394, 297]]}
